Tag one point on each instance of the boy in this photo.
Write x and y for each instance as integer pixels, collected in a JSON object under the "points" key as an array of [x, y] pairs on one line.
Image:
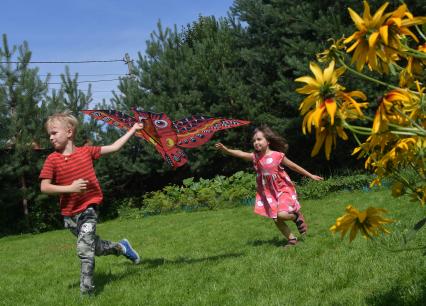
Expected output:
{"points": [[69, 172]]}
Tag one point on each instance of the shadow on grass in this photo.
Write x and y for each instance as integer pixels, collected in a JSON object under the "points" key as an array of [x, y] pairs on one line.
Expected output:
{"points": [[274, 241], [399, 296], [156, 262], [101, 278]]}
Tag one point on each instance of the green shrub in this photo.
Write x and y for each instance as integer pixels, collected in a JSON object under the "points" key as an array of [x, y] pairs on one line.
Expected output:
{"points": [[310, 189], [221, 191]]}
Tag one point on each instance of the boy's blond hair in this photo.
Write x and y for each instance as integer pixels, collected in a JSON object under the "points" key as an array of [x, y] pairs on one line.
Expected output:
{"points": [[66, 118]]}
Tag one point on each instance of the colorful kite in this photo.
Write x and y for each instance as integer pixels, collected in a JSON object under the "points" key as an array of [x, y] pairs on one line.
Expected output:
{"points": [[168, 136]]}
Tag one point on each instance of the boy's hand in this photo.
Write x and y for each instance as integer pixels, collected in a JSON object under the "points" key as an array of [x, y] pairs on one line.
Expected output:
{"points": [[122, 140], [79, 185], [137, 126]]}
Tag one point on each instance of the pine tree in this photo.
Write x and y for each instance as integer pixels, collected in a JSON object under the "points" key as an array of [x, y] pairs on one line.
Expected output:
{"points": [[280, 38], [21, 91]]}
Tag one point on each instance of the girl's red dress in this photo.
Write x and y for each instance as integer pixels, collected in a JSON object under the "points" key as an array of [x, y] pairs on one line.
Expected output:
{"points": [[275, 191]]}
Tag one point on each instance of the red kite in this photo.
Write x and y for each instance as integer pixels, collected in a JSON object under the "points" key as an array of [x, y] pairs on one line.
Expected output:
{"points": [[168, 136]]}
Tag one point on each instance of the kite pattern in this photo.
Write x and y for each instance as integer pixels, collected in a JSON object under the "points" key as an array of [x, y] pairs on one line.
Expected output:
{"points": [[168, 136]]}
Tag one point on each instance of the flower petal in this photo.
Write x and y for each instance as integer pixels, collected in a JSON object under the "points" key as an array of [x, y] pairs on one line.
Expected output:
{"points": [[384, 33], [317, 72]]}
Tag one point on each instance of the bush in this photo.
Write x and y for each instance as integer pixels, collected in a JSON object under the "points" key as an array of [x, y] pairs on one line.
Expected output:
{"points": [[221, 192], [310, 189]]}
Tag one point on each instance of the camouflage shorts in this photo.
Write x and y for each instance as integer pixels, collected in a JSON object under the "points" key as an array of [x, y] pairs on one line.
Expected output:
{"points": [[89, 245]]}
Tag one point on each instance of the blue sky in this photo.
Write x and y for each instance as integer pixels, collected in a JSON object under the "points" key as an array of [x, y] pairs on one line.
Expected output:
{"points": [[81, 30]]}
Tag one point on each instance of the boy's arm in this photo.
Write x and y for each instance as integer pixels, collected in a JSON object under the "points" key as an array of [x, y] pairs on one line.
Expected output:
{"points": [[295, 167], [235, 153], [46, 186], [122, 140]]}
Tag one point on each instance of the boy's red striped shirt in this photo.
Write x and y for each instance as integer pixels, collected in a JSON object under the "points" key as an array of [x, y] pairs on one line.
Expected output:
{"points": [[65, 169]]}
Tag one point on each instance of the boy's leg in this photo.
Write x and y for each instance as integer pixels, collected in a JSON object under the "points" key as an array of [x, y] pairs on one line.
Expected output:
{"points": [[87, 265], [105, 247], [86, 229], [123, 247]]}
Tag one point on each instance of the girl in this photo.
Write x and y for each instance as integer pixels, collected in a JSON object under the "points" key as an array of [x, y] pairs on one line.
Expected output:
{"points": [[276, 195]]}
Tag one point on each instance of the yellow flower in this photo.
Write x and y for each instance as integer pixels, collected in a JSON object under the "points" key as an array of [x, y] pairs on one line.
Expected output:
{"points": [[377, 41], [324, 86], [414, 68], [327, 136], [329, 54], [394, 105], [368, 222], [325, 102]]}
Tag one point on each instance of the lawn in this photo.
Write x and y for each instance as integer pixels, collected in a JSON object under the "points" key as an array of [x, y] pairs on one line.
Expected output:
{"points": [[227, 257]]}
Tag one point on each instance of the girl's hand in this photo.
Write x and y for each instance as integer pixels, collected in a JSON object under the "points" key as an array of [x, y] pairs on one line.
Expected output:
{"points": [[221, 147], [317, 178], [234, 153]]}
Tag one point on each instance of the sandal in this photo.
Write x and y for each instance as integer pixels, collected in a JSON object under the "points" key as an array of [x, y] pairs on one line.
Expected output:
{"points": [[291, 242], [302, 227]]}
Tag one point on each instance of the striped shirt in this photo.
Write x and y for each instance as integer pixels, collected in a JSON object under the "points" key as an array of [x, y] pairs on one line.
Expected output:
{"points": [[65, 169]]}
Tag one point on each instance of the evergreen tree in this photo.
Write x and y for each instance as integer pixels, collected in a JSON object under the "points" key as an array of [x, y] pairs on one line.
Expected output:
{"points": [[193, 71], [24, 144], [280, 38], [21, 91]]}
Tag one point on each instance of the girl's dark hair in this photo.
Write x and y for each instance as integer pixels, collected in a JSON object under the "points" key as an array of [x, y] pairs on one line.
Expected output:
{"points": [[276, 142]]}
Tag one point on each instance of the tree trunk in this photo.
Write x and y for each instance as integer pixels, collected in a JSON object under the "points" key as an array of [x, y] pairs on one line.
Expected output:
{"points": [[24, 200]]}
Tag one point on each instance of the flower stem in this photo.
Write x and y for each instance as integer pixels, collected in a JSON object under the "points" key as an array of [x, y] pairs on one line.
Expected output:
{"points": [[365, 76], [411, 120], [420, 32]]}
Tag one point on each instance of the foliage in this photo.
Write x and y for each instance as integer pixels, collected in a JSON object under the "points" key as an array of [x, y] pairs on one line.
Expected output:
{"points": [[21, 137], [310, 189], [241, 66], [395, 137], [233, 67], [221, 191], [217, 192], [24, 107]]}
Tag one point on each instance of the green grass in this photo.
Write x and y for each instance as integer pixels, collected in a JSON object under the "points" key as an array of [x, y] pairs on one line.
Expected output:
{"points": [[227, 257]]}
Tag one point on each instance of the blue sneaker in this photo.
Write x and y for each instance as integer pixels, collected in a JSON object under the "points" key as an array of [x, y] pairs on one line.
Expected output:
{"points": [[129, 252]]}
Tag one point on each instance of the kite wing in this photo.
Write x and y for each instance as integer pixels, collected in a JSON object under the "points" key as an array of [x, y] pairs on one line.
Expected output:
{"points": [[158, 131], [195, 131], [112, 117], [165, 135]]}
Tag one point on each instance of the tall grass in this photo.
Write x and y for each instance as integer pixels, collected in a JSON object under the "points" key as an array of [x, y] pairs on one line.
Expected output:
{"points": [[227, 257]]}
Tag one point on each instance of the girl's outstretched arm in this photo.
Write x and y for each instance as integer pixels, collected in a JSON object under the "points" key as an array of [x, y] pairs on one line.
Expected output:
{"points": [[295, 167], [235, 153]]}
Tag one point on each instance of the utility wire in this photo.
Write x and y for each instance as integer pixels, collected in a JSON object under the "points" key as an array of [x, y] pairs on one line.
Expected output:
{"points": [[86, 90], [89, 81], [78, 82], [86, 75], [79, 75], [66, 62]]}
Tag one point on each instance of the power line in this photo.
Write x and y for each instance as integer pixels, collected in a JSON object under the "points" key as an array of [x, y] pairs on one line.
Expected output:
{"points": [[86, 90], [89, 81], [85, 75], [79, 75], [66, 62], [127, 60], [59, 83]]}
